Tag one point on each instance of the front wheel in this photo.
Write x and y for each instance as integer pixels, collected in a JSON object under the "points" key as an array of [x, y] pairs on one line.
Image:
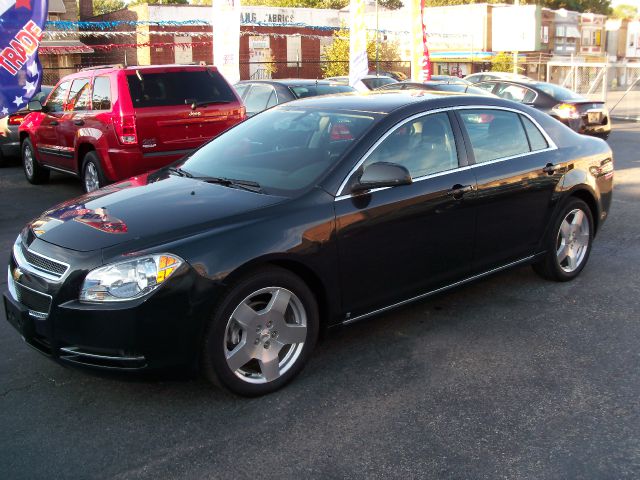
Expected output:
{"points": [[34, 172], [568, 244], [261, 333]]}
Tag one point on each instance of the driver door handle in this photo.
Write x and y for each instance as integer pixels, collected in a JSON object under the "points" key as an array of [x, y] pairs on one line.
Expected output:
{"points": [[78, 122], [53, 123]]}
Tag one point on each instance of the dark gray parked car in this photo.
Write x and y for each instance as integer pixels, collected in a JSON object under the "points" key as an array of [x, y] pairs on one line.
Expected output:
{"points": [[258, 95], [9, 140]]}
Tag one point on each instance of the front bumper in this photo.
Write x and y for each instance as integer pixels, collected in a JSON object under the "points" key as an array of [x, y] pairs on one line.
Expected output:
{"points": [[161, 330]]}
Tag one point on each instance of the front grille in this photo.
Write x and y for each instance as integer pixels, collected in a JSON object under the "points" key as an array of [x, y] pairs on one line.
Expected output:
{"points": [[36, 301], [52, 267]]}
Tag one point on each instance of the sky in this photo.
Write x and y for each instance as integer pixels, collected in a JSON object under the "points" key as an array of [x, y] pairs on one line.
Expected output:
{"points": [[635, 3]]}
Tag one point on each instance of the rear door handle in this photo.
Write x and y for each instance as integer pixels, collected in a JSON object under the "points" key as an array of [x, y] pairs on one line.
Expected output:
{"points": [[550, 168], [78, 122], [53, 122], [458, 191]]}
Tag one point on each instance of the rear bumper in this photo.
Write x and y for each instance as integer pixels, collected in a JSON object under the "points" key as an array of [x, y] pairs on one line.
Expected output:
{"points": [[10, 142], [123, 163]]}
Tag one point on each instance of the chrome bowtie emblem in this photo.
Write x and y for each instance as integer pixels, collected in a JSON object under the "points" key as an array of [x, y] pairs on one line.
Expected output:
{"points": [[17, 274]]}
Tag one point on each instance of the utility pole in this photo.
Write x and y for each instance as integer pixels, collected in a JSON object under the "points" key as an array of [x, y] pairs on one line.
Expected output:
{"points": [[377, 42], [516, 3]]}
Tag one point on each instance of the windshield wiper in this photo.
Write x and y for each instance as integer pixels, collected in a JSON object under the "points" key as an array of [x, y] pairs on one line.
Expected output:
{"points": [[195, 104], [231, 182], [180, 172]]}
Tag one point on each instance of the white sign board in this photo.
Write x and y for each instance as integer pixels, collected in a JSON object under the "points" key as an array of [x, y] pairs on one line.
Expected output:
{"points": [[515, 29]]}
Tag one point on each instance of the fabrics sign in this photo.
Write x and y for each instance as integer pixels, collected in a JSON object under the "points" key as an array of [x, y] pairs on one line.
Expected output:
{"points": [[21, 25]]}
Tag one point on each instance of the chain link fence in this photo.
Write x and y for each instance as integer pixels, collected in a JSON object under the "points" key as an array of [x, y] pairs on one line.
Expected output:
{"points": [[314, 69], [616, 84]]}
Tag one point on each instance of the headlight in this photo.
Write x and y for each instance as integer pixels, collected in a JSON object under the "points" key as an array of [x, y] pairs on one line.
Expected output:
{"points": [[130, 279]]}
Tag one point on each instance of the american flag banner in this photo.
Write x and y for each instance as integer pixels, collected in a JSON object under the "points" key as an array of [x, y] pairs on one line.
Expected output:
{"points": [[21, 26]]}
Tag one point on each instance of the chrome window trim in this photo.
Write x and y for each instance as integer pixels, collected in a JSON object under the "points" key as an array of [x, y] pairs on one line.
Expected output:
{"points": [[550, 142], [22, 262]]}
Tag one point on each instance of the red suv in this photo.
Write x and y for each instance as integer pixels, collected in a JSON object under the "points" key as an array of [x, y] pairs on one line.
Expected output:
{"points": [[110, 123]]}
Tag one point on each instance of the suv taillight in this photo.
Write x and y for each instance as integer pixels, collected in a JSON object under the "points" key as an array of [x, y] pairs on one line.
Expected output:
{"points": [[16, 119], [125, 127]]}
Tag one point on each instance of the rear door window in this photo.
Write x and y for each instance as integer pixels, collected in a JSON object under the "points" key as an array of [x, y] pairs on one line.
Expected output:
{"points": [[302, 91], [101, 93], [241, 88], [494, 134], [259, 98], [80, 95], [516, 93], [56, 100], [178, 88]]}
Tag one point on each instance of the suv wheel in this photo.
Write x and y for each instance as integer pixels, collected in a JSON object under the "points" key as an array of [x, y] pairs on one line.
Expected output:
{"points": [[92, 176], [34, 172]]}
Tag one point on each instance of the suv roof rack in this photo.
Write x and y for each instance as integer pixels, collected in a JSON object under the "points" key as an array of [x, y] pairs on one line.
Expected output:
{"points": [[97, 67]]}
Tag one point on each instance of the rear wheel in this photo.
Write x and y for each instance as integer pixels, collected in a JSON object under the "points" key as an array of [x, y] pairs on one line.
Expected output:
{"points": [[34, 172], [568, 244], [92, 176], [262, 333]]}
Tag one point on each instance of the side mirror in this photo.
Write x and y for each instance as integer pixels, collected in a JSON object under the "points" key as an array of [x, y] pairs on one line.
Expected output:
{"points": [[382, 174], [34, 106]]}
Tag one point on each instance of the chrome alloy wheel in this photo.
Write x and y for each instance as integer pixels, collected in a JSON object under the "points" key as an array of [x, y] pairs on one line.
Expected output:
{"points": [[91, 180], [28, 161], [573, 240], [265, 335]]}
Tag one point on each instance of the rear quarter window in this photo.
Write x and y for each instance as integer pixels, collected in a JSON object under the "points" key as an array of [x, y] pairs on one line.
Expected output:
{"points": [[178, 88]]}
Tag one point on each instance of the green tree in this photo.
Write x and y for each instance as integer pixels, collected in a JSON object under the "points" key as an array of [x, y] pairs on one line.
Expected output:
{"points": [[625, 11], [502, 62], [337, 54], [106, 6], [592, 6]]}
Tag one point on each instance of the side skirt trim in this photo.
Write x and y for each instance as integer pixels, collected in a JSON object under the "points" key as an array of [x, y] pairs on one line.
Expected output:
{"points": [[438, 290]]}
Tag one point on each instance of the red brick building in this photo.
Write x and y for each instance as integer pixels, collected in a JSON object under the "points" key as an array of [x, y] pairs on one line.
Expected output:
{"points": [[274, 42]]}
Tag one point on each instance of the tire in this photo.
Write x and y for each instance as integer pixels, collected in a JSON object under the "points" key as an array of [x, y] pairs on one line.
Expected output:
{"points": [[92, 174], [251, 346], [35, 173], [568, 243]]}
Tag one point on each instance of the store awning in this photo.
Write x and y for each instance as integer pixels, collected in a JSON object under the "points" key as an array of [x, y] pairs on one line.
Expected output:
{"points": [[61, 47]]}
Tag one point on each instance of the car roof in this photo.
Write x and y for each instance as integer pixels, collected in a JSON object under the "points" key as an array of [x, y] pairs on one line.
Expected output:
{"points": [[389, 101], [94, 71], [293, 82]]}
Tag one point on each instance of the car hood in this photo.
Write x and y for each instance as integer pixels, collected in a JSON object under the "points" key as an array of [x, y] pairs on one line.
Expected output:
{"points": [[145, 209]]}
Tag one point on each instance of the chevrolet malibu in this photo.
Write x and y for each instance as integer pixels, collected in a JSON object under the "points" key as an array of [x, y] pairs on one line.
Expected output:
{"points": [[316, 213]]}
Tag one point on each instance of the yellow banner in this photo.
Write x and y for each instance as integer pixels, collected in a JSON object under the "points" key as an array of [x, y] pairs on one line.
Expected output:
{"points": [[358, 62]]}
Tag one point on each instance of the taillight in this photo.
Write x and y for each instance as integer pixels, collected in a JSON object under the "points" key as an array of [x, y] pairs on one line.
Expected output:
{"points": [[125, 127], [16, 119], [566, 111]]}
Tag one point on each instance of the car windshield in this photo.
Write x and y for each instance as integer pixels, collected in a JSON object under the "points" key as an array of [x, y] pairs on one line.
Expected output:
{"points": [[558, 93], [285, 149], [302, 91]]}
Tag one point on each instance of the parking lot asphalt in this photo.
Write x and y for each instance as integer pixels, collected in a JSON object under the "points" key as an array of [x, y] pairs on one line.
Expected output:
{"points": [[510, 377]]}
